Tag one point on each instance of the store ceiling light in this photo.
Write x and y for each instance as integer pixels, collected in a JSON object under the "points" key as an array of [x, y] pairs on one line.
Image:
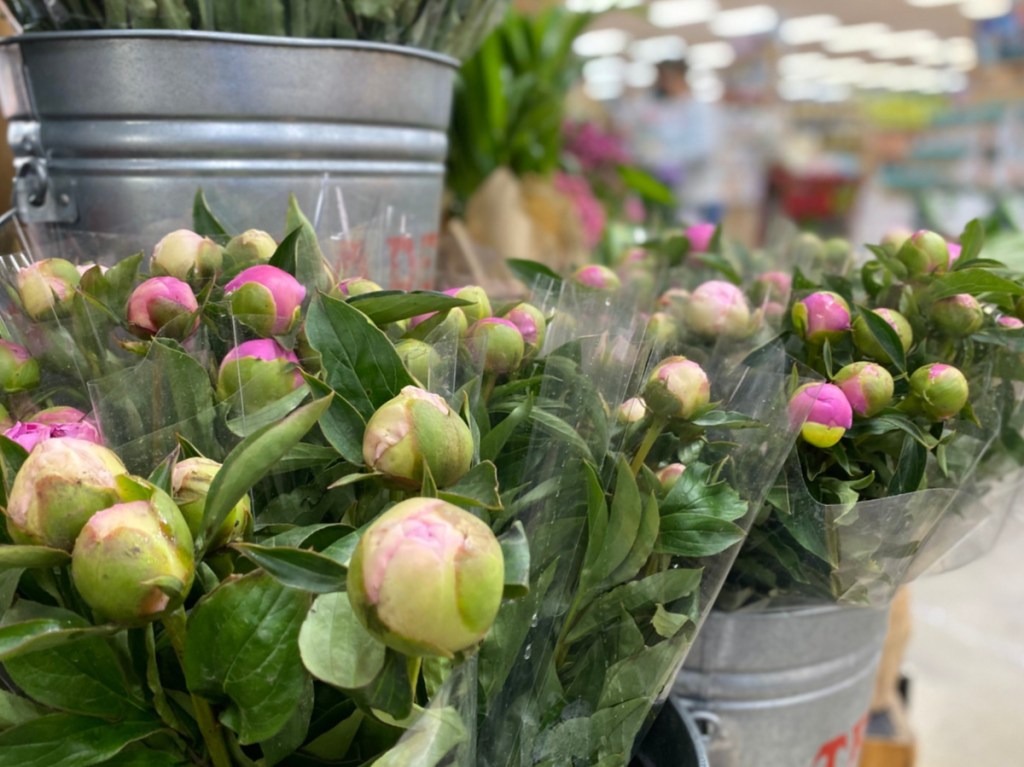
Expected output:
{"points": [[589, 6], [606, 69], [745, 22], [857, 37], [932, 3], [801, 65], [907, 44], [717, 55], [681, 13], [641, 74], [961, 53], [978, 10], [807, 29], [600, 42], [603, 91], [661, 48]]}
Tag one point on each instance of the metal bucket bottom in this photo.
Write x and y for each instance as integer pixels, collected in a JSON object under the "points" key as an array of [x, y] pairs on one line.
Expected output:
{"points": [[784, 689]]}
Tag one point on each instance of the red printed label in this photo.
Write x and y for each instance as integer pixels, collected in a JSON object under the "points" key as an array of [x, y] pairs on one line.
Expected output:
{"points": [[843, 750]]}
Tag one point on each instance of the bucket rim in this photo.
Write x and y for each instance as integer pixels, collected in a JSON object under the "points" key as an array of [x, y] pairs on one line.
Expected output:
{"points": [[29, 38]]}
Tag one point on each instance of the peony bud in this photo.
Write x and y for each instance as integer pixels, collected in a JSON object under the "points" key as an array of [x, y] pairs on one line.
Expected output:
{"points": [[427, 578], [662, 329], [413, 429], [250, 247], [186, 255], [925, 252], [62, 483], [449, 323], [496, 345], [821, 316], [632, 410], [164, 305], [47, 287], [18, 371], [807, 249], [669, 475], [190, 484], [674, 301], [257, 373], [357, 286], [955, 252], [53, 422], [126, 552], [718, 309], [838, 254], [480, 306], [895, 239], [939, 390], [771, 286], [267, 299], [866, 342], [821, 412], [700, 236], [597, 277], [867, 386], [532, 326], [678, 388], [419, 358], [958, 315], [1009, 323]]}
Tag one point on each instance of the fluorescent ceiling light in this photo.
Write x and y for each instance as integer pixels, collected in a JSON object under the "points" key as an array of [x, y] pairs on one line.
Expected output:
{"points": [[710, 92], [807, 29], [717, 55], [603, 91], [609, 68], [955, 82], [661, 48], [745, 22], [641, 74], [679, 13], [589, 6], [600, 42], [798, 90], [986, 9], [932, 3], [857, 37], [801, 65], [961, 53], [908, 44]]}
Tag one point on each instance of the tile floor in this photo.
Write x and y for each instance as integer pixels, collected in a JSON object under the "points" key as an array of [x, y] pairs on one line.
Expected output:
{"points": [[966, 659]]}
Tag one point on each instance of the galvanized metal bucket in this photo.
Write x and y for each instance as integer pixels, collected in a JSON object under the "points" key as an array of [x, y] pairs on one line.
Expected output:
{"points": [[674, 740], [115, 131], [784, 688]]}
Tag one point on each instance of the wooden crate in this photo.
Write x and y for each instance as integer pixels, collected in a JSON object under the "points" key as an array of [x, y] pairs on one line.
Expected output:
{"points": [[889, 741]]}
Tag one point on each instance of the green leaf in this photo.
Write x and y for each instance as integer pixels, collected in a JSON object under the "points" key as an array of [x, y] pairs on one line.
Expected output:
{"points": [[242, 648], [434, 735], [515, 550], [67, 740], [298, 569], [387, 306], [976, 282], [725, 419], [252, 458], [668, 624], [643, 545], [478, 487], [886, 337], [972, 240], [162, 475], [247, 423], [12, 456], [692, 494], [528, 272], [204, 221], [661, 588], [623, 524], [309, 266], [335, 646], [342, 425], [494, 441], [362, 365], [910, 467], [15, 710], [646, 185], [640, 675], [391, 690], [597, 527], [696, 535], [140, 756], [12, 557]]}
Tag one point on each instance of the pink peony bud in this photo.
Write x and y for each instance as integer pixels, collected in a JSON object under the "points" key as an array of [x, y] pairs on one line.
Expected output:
{"points": [[632, 410], [772, 286], [55, 422], [674, 301], [958, 316], [865, 340], [18, 371], [267, 299], [700, 236], [47, 287], [678, 388], [427, 578], [531, 323], [496, 345], [257, 373], [123, 550], [954, 253], [718, 309], [925, 252], [186, 255], [821, 412], [597, 277], [481, 306], [939, 390], [1010, 323], [821, 316], [164, 305], [413, 429], [867, 386], [894, 239], [669, 475]]}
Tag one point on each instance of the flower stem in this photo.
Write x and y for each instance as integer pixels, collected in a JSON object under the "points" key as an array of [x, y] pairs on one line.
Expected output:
{"points": [[653, 432], [213, 736]]}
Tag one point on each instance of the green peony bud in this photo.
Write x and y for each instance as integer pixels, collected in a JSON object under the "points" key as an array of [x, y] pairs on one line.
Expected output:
{"points": [[250, 247], [187, 256], [427, 578], [496, 345], [867, 385], [18, 371], [669, 475], [632, 410], [958, 316], [895, 239], [925, 252], [419, 358], [865, 340], [481, 306], [48, 287], [133, 561], [190, 483], [62, 483], [940, 391], [413, 429], [678, 388]]}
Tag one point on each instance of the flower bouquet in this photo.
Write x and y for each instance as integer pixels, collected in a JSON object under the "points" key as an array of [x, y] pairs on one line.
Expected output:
{"points": [[256, 514]]}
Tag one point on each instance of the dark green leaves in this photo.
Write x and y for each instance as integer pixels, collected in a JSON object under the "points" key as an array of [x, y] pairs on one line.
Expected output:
{"points": [[298, 569], [32, 556], [515, 550], [910, 467], [45, 633], [886, 337], [696, 535], [972, 240], [204, 221], [528, 272], [336, 648], [976, 282], [242, 649], [478, 487], [66, 740], [299, 253], [389, 306]]}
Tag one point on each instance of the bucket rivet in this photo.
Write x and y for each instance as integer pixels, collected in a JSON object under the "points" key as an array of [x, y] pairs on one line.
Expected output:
{"points": [[64, 199]]}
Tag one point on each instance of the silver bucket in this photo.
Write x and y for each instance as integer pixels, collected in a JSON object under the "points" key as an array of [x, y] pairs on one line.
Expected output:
{"points": [[784, 688], [114, 132]]}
